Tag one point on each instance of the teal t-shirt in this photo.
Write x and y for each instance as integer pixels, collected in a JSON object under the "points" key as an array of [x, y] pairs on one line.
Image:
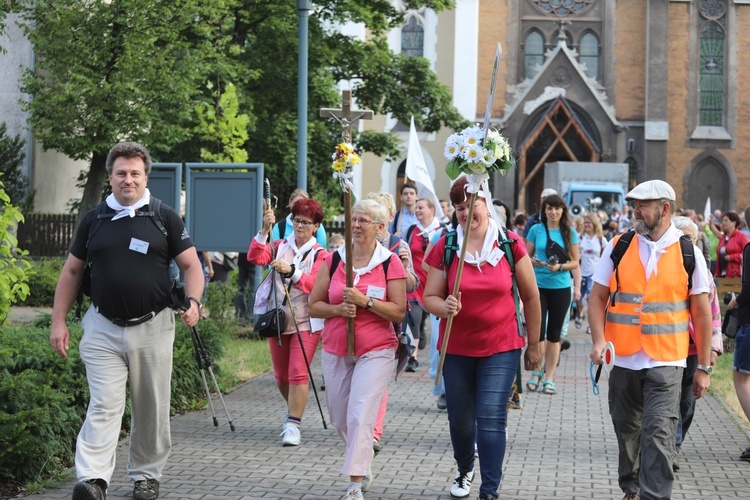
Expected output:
{"points": [[544, 277]]}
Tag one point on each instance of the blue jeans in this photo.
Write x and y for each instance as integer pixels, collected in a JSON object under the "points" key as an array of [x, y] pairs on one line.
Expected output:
{"points": [[477, 392]]}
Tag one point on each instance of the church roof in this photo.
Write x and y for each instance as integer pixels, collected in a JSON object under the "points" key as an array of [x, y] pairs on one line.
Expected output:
{"points": [[561, 75]]}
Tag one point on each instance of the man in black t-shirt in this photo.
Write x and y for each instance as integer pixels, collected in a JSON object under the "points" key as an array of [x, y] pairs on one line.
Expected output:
{"points": [[129, 329]]}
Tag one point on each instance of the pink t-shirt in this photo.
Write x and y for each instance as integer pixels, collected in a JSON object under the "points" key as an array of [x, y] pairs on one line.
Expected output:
{"points": [[417, 256], [486, 324], [371, 332]]}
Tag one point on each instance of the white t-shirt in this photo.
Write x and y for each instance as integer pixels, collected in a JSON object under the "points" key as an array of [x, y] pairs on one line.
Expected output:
{"points": [[591, 249], [648, 250]]}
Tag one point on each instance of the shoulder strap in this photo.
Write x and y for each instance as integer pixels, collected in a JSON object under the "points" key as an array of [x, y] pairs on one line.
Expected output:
{"points": [[395, 221], [282, 229], [334, 264], [688, 257], [395, 243], [451, 247], [505, 242], [410, 232], [623, 242]]}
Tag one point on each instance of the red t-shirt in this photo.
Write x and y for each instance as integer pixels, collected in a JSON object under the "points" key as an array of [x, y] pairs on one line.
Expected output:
{"points": [[417, 256], [371, 332], [486, 324]]}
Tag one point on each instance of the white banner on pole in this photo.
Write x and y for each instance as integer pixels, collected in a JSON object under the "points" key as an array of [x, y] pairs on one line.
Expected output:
{"points": [[416, 171], [707, 210]]}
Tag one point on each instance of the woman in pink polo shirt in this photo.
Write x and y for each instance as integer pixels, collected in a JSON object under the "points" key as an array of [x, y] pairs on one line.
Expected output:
{"points": [[377, 299], [484, 348]]}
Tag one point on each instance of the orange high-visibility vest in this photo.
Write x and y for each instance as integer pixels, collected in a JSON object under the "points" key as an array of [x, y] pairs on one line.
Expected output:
{"points": [[651, 315]]}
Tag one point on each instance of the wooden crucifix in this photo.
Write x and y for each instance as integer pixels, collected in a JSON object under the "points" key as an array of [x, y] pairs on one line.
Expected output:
{"points": [[347, 116]]}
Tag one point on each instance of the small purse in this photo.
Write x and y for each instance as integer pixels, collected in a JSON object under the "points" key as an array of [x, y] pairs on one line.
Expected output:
{"points": [[271, 323], [553, 248], [730, 325]]}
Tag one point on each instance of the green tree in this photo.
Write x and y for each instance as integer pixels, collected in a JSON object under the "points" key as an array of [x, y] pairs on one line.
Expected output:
{"points": [[108, 71], [382, 80], [17, 184], [225, 127], [13, 265]]}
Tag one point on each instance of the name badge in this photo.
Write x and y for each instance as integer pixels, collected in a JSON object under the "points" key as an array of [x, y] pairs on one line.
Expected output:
{"points": [[495, 256], [139, 246], [376, 292]]}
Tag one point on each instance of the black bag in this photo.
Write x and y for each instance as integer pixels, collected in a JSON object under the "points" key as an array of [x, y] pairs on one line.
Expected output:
{"points": [[730, 325], [230, 264], [554, 249], [267, 325]]}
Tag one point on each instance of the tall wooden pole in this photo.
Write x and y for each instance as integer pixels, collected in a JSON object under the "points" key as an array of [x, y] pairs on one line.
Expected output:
{"points": [[456, 286], [345, 118]]}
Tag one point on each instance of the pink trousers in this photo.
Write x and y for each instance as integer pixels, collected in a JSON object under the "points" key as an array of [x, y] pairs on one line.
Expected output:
{"points": [[354, 391]]}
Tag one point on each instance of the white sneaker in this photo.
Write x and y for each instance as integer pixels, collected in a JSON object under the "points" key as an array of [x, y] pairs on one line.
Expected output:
{"points": [[353, 494], [369, 477], [290, 435], [462, 484]]}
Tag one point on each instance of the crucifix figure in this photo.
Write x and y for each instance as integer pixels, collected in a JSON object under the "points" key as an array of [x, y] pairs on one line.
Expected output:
{"points": [[347, 116]]}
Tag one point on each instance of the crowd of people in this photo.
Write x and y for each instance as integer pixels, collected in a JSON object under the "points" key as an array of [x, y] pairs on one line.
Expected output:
{"points": [[503, 307]]}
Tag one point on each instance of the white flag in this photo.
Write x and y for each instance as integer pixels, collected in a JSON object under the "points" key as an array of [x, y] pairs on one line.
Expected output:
{"points": [[416, 171], [707, 211]]}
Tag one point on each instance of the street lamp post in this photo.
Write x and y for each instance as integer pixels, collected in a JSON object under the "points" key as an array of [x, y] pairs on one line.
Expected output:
{"points": [[303, 6]]}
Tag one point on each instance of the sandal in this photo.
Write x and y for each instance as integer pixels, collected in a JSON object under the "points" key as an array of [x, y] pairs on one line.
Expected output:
{"points": [[532, 384], [548, 387]]}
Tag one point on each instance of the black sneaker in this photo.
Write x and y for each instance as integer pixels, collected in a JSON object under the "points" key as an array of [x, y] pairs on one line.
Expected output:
{"points": [[376, 447], [441, 403], [745, 454], [92, 489], [486, 496], [146, 489], [412, 365]]}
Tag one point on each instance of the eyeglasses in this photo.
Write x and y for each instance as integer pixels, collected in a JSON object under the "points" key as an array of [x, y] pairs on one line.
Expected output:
{"points": [[303, 223], [363, 222]]}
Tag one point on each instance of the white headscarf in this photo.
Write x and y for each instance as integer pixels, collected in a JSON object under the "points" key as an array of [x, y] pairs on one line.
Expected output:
{"points": [[127, 211], [380, 255]]}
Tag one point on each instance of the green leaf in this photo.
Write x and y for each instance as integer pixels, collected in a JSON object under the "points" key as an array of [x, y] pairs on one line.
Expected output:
{"points": [[453, 169]]}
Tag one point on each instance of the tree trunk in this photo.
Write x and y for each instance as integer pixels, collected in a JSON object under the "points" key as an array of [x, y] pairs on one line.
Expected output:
{"points": [[92, 191]]}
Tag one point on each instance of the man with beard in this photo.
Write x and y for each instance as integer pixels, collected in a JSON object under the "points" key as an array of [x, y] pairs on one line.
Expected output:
{"points": [[645, 316]]}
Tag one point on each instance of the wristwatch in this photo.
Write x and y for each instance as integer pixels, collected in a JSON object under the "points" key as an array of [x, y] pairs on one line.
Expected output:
{"points": [[707, 369], [369, 303], [200, 304]]}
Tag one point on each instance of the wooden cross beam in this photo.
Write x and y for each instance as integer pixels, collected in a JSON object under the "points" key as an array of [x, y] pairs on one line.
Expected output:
{"points": [[347, 116]]}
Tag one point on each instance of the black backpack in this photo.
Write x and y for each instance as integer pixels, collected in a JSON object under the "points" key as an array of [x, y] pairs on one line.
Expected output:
{"points": [[686, 246], [85, 286]]}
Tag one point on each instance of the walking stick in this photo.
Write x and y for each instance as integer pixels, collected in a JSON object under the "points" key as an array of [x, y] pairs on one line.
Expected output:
{"points": [[456, 286], [202, 358], [304, 356], [203, 361], [267, 189]]}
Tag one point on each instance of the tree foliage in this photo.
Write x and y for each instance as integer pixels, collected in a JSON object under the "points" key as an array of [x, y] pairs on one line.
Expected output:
{"points": [[225, 127], [13, 265], [137, 70], [17, 185]]}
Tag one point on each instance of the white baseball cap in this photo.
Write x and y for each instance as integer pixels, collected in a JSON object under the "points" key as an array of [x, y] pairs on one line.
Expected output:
{"points": [[652, 190], [548, 192]]}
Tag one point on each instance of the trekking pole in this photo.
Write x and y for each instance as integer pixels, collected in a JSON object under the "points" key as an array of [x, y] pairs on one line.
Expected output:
{"points": [[178, 300], [204, 363], [304, 356], [267, 188]]}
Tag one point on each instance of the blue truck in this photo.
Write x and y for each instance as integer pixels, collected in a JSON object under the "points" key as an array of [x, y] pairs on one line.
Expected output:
{"points": [[588, 186]]}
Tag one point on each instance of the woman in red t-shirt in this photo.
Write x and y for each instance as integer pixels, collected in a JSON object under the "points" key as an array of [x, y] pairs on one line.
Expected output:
{"points": [[376, 300], [485, 346], [731, 243]]}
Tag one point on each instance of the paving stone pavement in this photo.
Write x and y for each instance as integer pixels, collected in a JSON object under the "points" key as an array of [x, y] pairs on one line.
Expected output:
{"points": [[560, 446]]}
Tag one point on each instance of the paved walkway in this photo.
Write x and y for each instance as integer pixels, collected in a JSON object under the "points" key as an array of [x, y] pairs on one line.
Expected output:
{"points": [[559, 446]]}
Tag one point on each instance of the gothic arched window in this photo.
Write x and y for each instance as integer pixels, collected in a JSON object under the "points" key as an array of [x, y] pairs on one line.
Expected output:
{"points": [[712, 44], [533, 53], [412, 38], [589, 50]]}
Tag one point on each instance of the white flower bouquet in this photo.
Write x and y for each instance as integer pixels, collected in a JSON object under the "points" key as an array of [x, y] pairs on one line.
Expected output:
{"points": [[469, 152]]}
